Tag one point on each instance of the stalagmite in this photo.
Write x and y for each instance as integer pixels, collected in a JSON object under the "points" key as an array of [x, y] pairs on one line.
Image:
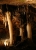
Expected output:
{"points": [[10, 27], [29, 31], [21, 33]]}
